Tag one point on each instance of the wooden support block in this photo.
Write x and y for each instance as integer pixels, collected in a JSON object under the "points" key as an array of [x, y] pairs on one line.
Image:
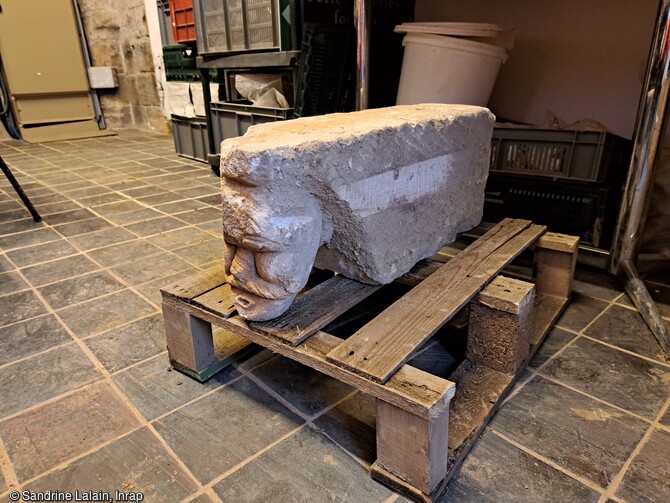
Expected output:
{"points": [[412, 449], [189, 339], [555, 260], [498, 330]]}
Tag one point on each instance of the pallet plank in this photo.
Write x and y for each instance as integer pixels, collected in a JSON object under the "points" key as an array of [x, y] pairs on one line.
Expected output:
{"points": [[315, 308], [219, 298], [197, 284], [384, 344]]}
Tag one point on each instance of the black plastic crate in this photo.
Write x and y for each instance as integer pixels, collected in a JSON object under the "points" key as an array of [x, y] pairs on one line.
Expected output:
{"points": [[577, 155], [180, 64], [190, 137], [588, 210], [233, 119]]}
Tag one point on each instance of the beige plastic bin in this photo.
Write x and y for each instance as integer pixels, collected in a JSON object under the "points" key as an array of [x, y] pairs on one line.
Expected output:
{"points": [[445, 69]]}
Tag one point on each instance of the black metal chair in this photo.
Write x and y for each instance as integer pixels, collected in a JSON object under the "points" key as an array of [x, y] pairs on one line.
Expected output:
{"points": [[19, 191]]}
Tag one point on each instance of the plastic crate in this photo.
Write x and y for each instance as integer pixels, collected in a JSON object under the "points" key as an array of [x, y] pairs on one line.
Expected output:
{"points": [[190, 137], [326, 74], [237, 25], [180, 64], [579, 155], [585, 210], [164, 22], [233, 119], [183, 22]]}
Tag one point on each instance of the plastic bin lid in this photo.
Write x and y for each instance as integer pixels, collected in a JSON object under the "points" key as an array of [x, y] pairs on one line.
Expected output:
{"points": [[453, 29], [455, 43]]}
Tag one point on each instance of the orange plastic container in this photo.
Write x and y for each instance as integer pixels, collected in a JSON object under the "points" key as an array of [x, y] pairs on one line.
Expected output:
{"points": [[183, 22]]}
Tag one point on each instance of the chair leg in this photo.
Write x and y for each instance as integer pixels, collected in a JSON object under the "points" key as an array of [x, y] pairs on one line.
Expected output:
{"points": [[19, 191]]}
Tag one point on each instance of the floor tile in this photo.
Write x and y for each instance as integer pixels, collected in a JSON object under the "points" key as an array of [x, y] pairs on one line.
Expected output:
{"points": [[69, 216], [180, 206], [352, 426], [59, 269], [130, 343], [200, 191], [496, 471], [200, 216], [627, 381], [29, 337], [332, 475], [665, 420], [43, 438], [5, 264], [152, 289], [117, 207], [203, 498], [28, 238], [102, 198], [82, 227], [178, 238], [19, 306], [49, 209], [134, 463], [79, 289], [41, 253], [102, 238], [627, 329], [161, 198], [14, 214], [155, 226], [150, 268], [648, 477], [123, 252], [11, 282], [555, 340], [222, 429], [580, 312], [131, 217], [203, 252], [44, 376], [596, 284], [98, 315], [26, 224], [156, 389], [306, 389], [570, 429]]}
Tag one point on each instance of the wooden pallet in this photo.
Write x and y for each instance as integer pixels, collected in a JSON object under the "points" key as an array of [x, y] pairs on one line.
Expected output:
{"points": [[426, 424]]}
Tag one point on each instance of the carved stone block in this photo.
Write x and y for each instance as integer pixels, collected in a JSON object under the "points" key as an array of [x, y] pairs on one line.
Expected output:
{"points": [[366, 194]]}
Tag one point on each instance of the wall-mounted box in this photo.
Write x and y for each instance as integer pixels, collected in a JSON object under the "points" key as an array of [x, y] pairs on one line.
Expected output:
{"points": [[102, 77]]}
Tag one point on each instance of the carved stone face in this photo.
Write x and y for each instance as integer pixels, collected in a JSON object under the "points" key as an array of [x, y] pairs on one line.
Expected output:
{"points": [[269, 248]]}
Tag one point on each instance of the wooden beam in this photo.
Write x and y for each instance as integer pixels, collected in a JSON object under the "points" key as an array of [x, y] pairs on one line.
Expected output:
{"points": [[555, 260], [410, 389]]}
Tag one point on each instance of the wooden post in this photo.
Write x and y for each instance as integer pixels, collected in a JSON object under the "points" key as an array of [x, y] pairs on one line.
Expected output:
{"points": [[555, 259], [498, 335], [189, 339], [412, 451]]}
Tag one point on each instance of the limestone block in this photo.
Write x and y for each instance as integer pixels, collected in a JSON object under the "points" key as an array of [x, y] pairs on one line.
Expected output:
{"points": [[366, 194]]}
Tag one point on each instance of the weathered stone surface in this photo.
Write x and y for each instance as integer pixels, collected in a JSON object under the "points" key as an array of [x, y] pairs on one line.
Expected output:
{"points": [[366, 194]]}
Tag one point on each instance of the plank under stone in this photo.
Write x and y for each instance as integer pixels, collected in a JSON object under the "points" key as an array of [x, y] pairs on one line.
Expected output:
{"points": [[383, 345], [198, 284], [316, 308]]}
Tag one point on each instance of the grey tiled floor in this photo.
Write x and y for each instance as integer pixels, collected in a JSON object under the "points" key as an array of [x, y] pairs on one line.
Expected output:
{"points": [[88, 402]]}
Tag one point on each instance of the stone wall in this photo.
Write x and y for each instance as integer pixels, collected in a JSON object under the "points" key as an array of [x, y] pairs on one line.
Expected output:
{"points": [[118, 37]]}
